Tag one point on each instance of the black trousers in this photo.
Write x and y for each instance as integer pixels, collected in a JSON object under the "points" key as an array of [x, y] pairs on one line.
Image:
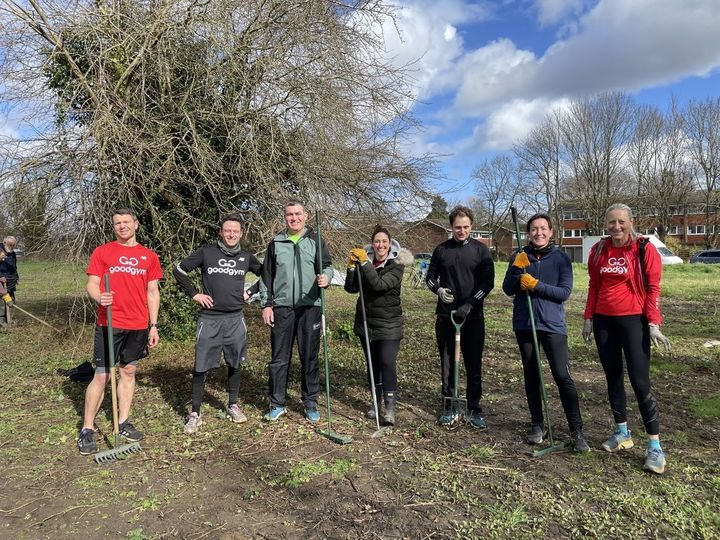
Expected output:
{"points": [[556, 351], [472, 343], [384, 362], [629, 336], [303, 324]]}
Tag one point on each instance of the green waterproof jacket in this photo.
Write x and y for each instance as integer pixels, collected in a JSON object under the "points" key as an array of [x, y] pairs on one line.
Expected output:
{"points": [[289, 271]]}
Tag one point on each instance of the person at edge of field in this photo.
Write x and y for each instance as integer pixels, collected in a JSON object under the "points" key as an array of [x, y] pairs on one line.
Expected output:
{"points": [[221, 328], [545, 273], [6, 301], [382, 264], [135, 298], [290, 299], [8, 264], [462, 274], [623, 311]]}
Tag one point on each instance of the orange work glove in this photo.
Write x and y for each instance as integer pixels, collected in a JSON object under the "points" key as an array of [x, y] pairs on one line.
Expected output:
{"points": [[521, 260], [358, 255], [528, 283]]}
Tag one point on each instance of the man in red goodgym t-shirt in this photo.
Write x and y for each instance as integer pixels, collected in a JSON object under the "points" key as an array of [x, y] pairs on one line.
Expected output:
{"points": [[135, 299]]}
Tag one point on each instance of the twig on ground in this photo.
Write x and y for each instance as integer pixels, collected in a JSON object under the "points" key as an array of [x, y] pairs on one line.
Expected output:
{"points": [[63, 512]]}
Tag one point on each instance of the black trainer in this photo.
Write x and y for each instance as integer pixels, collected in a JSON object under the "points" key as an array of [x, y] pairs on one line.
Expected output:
{"points": [[128, 431], [86, 442], [535, 435], [579, 443]]}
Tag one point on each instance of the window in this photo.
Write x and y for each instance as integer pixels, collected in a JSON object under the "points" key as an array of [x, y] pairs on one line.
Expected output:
{"points": [[696, 229], [676, 230], [573, 214], [572, 233], [695, 209], [675, 210], [649, 231]]}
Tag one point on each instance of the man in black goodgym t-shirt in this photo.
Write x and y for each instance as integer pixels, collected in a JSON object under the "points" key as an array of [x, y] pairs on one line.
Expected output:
{"points": [[221, 325]]}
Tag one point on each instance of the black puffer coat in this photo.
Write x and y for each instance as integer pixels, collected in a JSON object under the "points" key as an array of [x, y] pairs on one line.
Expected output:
{"points": [[381, 289]]}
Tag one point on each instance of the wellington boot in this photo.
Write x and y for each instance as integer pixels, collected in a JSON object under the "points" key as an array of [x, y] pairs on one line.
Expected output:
{"points": [[389, 414], [378, 398]]}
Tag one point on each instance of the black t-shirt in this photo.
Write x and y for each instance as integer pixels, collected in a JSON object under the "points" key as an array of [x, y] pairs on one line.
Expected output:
{"points": [[223, 276]]}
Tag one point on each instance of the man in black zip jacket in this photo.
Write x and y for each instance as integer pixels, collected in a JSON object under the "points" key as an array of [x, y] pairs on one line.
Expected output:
{"points": [[221, 324], [462, 274]]}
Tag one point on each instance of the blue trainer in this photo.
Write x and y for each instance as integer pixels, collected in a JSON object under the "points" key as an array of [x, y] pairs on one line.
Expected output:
{"points": [[655, 461], [618, 441], [312, 414], [274, 414], [448, 417], [477, 421]]}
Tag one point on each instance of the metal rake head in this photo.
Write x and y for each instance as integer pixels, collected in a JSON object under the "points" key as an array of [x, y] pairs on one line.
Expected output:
{"points": [[117, 453]]}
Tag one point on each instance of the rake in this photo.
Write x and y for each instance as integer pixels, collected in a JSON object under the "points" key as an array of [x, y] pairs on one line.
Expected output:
{"points": [[118, 451], [536, 350], [380, 431], [329, 432]]}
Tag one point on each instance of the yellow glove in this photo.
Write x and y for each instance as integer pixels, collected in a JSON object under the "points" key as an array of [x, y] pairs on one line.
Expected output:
{"points": [[351, 263], [528, 283], [358, 255], [7, 298], [521, 261]]}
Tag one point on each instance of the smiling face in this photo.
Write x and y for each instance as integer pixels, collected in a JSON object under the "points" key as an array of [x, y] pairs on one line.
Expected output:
{"points": [[125, 227], [461, 228], [619, 225], [295, 218], [231, 233], [381, 246], [540, 232]]}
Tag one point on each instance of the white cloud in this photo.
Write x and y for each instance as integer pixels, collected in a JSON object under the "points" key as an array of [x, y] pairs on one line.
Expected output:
{"points": [[553, 11]]}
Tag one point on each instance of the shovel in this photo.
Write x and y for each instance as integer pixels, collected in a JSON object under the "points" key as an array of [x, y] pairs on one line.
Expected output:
{"points": [[454, 402], [118, 451]]}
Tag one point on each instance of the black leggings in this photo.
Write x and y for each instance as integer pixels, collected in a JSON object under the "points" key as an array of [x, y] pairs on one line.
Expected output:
{"points": [[198, 387], [472, 343], [629, 335], [384, 362], [556, 351]]}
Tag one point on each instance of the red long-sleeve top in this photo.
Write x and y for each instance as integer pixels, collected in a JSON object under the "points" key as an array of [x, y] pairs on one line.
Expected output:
{"points": [[616, 286]]}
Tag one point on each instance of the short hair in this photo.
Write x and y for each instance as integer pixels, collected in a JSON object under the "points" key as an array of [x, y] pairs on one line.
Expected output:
{"points": [[231, 217], [295, 202], [9, 238], [539, 215], [379, 229], [125, 212], [460, 211]]}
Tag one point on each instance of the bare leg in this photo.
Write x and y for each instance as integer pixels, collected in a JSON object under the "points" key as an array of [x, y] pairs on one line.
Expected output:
{"points": [[93, 398], [126, 389]]}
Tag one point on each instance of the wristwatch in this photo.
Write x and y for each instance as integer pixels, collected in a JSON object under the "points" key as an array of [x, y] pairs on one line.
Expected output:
{"points": [[153, 325]]}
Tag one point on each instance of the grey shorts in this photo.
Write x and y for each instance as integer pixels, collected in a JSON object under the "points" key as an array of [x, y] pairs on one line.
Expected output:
{"points": [[130, 346], [215, 335]]}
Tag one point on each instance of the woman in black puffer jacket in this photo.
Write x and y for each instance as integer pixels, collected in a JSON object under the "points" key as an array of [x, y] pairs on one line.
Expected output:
{"points": [[382, 265]]}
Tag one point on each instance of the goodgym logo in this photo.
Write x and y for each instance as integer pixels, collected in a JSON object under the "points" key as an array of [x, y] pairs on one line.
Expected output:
{"points": [[615, 265], [127, 265], [226, 266]]}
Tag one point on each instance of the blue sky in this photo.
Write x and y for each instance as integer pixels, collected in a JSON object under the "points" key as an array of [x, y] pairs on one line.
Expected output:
{"points": [[486, 72]]}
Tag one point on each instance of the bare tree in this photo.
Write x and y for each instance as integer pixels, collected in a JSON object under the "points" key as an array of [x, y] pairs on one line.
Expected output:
{"points": [[496, 187], [702, 128], [539, 158], [595, 133], [188, 109]]}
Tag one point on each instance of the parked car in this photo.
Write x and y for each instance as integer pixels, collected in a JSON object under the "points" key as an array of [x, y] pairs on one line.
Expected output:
{"points": [[422, 256], [706, 256]]}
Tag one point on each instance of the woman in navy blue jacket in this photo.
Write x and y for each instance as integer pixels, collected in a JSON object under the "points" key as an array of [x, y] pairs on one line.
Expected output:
{"points": [[544, 272]]}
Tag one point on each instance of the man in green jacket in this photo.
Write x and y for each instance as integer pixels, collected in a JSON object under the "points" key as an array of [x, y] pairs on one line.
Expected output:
{"points": [[290, 297]]}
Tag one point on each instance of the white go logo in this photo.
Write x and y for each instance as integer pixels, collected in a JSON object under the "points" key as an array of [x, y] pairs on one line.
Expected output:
{"points": [[227, 264], [132, 261]]}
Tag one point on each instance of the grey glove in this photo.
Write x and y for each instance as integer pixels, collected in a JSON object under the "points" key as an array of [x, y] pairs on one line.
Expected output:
{"points": [[587, 331], [658, 337], [446, 295]]}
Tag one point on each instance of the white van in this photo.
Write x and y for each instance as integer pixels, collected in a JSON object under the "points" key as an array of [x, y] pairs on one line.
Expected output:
{"points": [[666, 256]]}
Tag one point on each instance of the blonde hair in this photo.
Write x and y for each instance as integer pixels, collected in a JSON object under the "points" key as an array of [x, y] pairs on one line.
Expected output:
{"points": [[625, 208]]}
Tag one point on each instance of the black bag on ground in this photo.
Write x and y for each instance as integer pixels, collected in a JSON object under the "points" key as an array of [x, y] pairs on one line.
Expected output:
{"points": [[82, 373]]}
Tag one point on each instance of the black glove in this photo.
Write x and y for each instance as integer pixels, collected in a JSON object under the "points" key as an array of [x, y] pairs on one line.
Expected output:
{"points": [[462, 312]]}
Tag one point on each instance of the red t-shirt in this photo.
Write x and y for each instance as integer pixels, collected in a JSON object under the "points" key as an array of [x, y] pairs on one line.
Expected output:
{"points": [[130, 269], [616, 297]]}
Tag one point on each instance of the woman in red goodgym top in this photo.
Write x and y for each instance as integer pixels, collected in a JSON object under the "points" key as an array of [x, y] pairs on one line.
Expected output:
{"points": [[623, 310]]}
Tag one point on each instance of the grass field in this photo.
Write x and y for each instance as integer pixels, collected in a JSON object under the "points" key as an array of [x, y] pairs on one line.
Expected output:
{"points": [[421, 481]]}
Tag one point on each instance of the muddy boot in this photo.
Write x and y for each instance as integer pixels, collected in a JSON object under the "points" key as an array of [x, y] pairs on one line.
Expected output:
{"points": [[389, 414], [378, 398]]}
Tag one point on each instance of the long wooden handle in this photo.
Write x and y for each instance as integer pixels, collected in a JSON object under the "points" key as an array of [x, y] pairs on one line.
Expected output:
{"points": [[111, 362]]}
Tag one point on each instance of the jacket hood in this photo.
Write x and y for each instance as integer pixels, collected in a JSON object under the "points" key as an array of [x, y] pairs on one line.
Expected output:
{"points": [[400, 254]]}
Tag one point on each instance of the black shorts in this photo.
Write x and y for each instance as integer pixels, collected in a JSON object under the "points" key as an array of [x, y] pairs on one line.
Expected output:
{"points": [[215, 335], [130, 346]]}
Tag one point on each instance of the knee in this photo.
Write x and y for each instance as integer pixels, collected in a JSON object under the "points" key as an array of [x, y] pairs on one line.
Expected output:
{"points": [[127, 371], [101, 378]]}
